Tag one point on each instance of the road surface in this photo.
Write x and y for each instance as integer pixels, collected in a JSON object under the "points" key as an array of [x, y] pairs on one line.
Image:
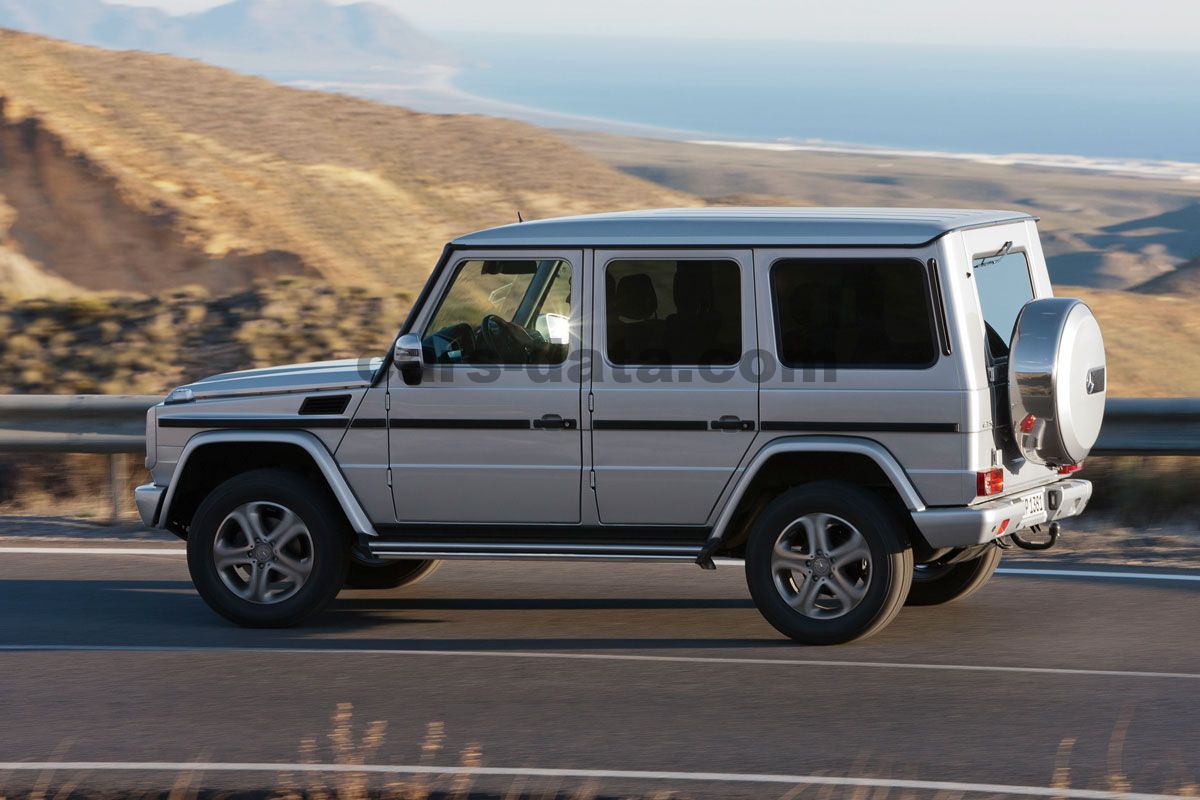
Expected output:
{"points": [[109, 656]]}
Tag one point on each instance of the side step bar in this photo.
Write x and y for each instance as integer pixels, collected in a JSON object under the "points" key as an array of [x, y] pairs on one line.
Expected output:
{"points": [[559, 551], [538, 542]]}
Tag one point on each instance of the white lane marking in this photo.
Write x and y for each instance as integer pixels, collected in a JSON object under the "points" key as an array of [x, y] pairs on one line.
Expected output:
{"points": [[611, 774], [1035, 571], [95, 551], [1086, 573], [524, 654]]}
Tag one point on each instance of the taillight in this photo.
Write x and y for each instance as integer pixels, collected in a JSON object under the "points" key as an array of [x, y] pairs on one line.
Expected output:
{"points": [[1069, 469], [990, 482], [1028, 423]]}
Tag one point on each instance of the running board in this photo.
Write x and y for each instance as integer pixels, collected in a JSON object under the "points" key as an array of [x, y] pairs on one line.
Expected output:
{"points": [[538, 552]]}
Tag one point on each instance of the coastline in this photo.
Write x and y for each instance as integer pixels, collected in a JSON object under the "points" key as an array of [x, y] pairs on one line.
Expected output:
{"points": [[433, 89]]}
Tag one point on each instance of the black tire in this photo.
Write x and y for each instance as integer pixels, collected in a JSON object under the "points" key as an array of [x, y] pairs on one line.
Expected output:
{"points": [[938, 584], [326, 548], [883, 579], [389, 574]]}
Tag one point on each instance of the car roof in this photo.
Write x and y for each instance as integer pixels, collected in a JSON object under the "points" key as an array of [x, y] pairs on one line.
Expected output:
{"points": [[743, 227]]}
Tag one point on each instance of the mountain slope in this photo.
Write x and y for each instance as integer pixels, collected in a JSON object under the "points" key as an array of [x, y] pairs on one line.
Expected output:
{"points": [[250, 35], [136, 171]]}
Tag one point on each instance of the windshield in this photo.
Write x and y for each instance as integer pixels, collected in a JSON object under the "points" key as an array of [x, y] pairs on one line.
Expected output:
{"points": [[1004, 288]]}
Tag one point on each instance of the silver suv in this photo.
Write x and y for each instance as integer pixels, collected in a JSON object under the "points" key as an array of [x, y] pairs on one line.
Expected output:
{"points": [[867, 406]]}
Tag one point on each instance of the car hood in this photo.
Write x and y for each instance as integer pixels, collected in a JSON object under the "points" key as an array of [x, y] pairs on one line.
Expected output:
{"points": [[350, 373]]}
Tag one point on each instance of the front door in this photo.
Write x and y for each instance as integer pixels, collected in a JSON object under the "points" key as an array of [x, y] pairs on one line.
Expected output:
{"points": [[675, 394], [491, 434]]}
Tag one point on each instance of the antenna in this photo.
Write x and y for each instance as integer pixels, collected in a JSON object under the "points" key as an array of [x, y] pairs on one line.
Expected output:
{"points": [[519, 217]]}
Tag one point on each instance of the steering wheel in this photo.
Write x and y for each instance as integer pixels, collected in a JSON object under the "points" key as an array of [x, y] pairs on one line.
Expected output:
{"points": [[510, 341]]}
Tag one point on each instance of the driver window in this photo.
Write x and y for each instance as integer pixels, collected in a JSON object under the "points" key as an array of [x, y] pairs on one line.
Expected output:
{"points": [[503, 312]]}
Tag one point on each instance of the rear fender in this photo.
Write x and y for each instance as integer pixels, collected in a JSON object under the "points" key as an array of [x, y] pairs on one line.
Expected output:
{"points": [[850, 445]]}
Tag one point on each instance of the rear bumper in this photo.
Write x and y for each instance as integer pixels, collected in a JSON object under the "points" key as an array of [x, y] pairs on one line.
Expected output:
{"points": [[148, 499], [962, 527]]}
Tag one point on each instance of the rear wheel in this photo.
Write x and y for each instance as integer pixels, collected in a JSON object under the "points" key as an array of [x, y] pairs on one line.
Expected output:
{"points": [[389, 574], [828, 563], [936, 584], [267, 549]]}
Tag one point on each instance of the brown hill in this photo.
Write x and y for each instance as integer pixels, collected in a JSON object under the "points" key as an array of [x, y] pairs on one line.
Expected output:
{"points": [[138, 172]]}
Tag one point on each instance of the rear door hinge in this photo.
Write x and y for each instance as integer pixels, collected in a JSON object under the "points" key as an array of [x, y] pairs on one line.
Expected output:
{"points": [[591, 402], [387, 401], [592, 478], [389, 476]]}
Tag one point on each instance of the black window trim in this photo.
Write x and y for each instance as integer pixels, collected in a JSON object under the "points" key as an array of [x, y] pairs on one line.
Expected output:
{"points": [[655, 255], [930, 301]]}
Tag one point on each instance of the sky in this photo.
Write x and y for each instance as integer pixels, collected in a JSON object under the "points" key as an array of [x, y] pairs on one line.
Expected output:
{"points": [[1107, 24]]}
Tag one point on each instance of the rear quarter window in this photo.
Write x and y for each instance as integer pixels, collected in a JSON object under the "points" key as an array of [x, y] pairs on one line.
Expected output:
{"points": [[853, 313]]}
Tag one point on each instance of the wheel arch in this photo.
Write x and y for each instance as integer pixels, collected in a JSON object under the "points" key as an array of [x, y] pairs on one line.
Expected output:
{"points": [[214, 456], [791, 461]]}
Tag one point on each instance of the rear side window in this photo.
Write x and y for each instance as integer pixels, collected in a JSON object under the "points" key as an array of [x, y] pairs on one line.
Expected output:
{"points": [[1004, 288], [853, 313], [668, 312]]}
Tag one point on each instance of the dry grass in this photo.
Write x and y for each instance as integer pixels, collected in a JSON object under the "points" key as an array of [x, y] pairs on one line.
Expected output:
{"points": [[127, 344], [131, 171], [346, 746]]}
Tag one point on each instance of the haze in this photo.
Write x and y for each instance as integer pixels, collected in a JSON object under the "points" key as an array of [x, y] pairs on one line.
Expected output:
{"points": [[1110, 24]]}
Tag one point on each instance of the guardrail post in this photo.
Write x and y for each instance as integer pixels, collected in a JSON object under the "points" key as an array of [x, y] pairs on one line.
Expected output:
{"points": [[116, 483]]}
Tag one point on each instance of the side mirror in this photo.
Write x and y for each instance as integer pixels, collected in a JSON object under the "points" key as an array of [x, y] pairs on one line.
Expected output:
{"points": [[407, 356]]}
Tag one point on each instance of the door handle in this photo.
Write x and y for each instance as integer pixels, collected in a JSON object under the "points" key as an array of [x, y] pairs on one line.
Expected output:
{"points": [[555, 422], [732, 423]]}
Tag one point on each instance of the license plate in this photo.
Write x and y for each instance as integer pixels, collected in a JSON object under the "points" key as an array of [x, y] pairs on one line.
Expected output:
{"points": [[1035, 509]]}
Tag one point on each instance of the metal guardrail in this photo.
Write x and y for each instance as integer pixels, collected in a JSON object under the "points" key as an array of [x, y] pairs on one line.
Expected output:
{"points": [[1167, 426], [82, 423], [115, 425]]}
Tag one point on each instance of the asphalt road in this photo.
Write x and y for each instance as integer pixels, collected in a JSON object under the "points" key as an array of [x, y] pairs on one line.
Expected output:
{"points": [[113, 658]]}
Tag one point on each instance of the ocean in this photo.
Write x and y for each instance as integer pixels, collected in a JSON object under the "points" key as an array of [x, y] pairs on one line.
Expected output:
{"points": [[985, 98]]}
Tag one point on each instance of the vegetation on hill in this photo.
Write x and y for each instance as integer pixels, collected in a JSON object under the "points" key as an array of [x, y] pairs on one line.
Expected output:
{"points": [[140, 172], [161, 220]]}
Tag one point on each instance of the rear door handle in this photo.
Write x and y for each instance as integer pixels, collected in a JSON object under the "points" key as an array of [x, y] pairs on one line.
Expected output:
{"points": [[555, 422], [732, 423]]}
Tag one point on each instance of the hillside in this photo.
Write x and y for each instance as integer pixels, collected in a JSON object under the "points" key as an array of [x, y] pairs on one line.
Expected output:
{"points": [[140, 172], [1099, 229]]}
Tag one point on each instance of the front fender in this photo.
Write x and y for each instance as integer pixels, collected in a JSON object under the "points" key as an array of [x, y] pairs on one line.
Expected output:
{"points": [[325, 462]]}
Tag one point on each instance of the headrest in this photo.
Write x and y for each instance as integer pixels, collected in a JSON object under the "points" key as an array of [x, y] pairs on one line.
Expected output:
{"points": [[636, 299]]}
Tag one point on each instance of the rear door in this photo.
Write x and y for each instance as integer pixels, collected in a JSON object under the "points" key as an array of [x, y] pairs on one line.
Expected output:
{"points": [[674, 394], [1007, 271]]}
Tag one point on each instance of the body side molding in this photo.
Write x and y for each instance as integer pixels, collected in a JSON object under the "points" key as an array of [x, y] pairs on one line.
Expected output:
{"points": [[815, 444], [324, 460]]}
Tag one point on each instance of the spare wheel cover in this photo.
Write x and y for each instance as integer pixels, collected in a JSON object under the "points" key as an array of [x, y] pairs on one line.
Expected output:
{"points": [[1057, 381]]}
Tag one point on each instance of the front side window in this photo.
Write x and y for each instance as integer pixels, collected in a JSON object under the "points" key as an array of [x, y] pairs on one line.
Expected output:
{"points": [[853, 313], [1004, 288], [671, 312], [507, 312]]}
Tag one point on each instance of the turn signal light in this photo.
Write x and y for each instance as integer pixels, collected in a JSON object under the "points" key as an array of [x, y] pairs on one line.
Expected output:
{"points": [[990, 482], [1069, 469], [1028, 423]]}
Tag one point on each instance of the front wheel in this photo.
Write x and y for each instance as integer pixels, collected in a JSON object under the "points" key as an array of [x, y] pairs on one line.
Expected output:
{"points": [[267, 549], [828, 563], [936, 584]]}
